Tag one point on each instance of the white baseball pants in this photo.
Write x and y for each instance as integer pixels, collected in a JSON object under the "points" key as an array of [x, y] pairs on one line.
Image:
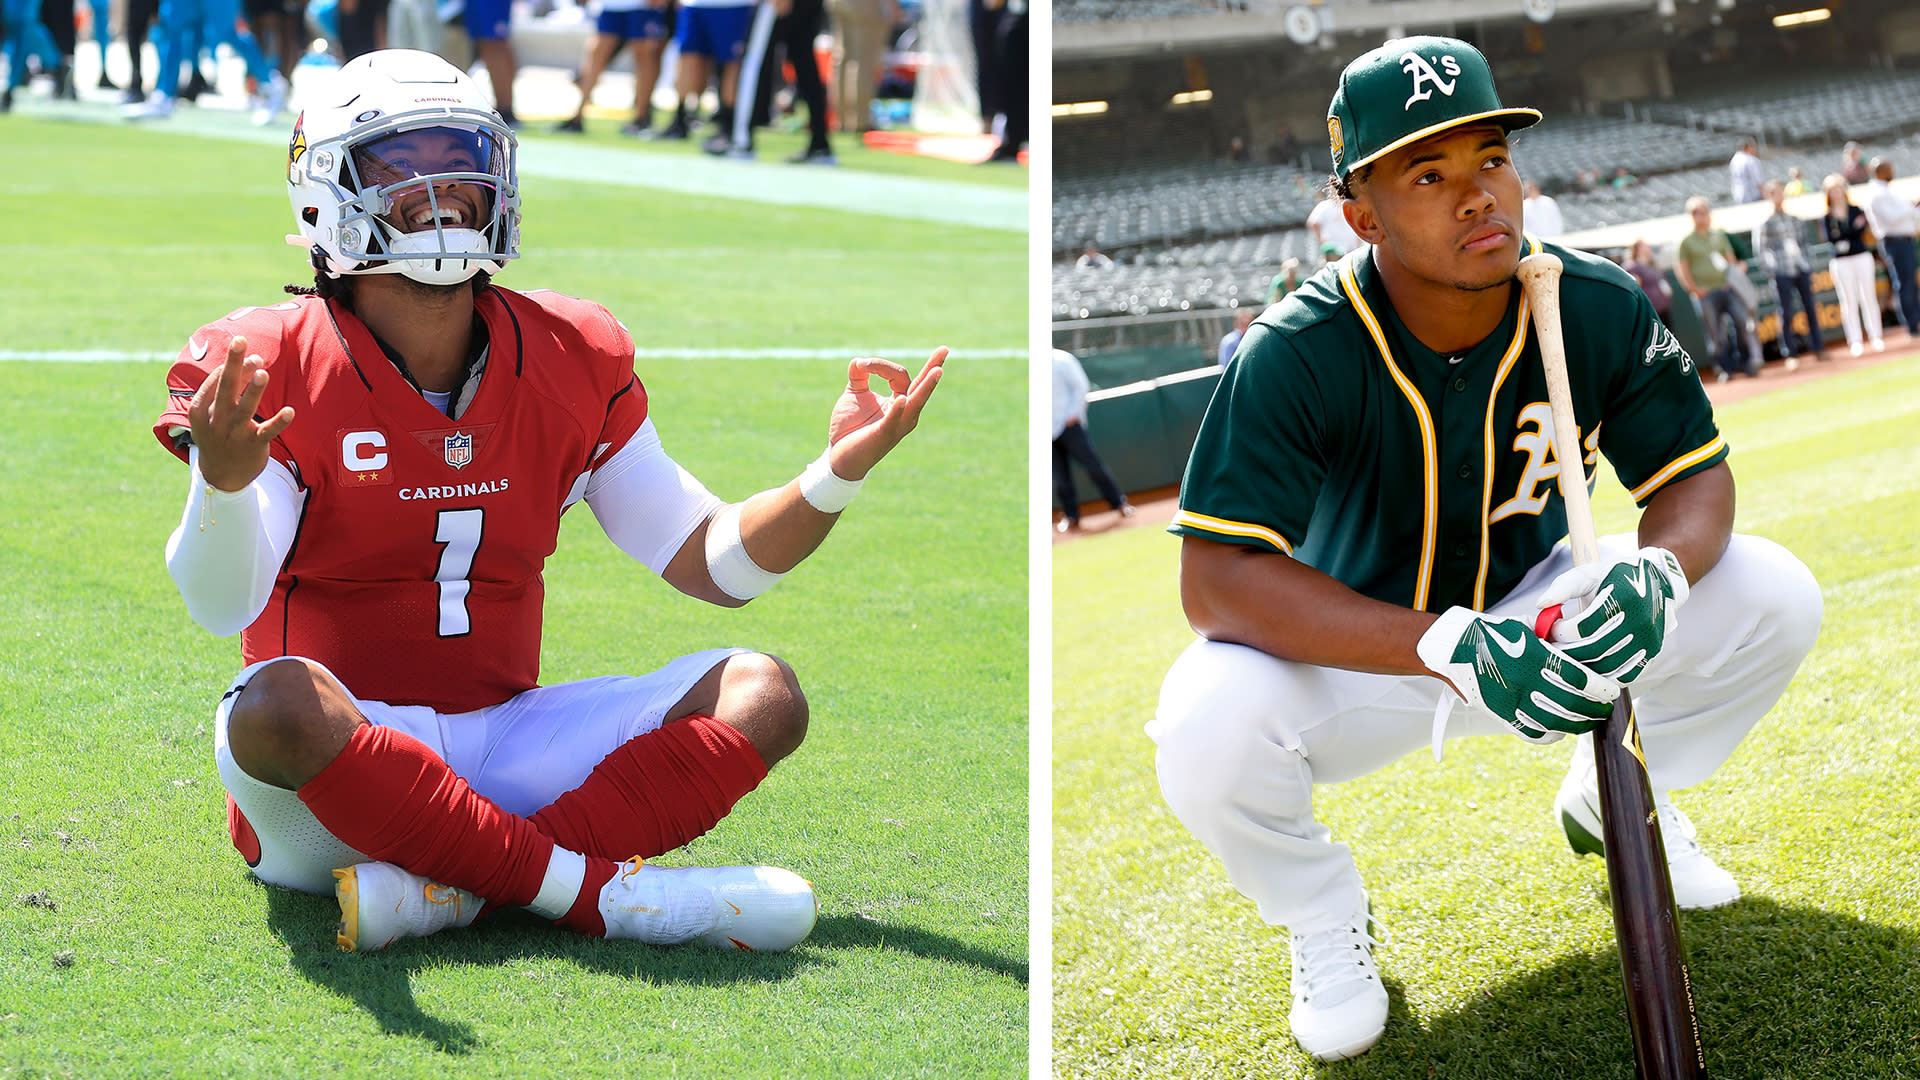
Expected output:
{"points": [[1243, 736]]}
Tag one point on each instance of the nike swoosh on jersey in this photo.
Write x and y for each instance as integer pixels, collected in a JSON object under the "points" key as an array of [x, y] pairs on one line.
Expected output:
{"points": [[198, 348], [1515, 648]]}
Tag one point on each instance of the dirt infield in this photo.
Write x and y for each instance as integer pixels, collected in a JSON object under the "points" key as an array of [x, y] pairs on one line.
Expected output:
{"points": [[1155, 508]]}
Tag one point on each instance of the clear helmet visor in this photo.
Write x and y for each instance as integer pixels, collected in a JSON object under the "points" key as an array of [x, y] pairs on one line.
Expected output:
{"points": [[432, 191]]}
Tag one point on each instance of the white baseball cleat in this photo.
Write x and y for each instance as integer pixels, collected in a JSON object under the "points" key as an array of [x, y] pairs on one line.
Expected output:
{"points": [[1339, 1004], [756, 908], [1698, 882], [381, 903]]}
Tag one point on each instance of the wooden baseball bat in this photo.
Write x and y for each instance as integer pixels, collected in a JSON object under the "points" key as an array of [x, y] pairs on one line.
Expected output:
{"points": [[1653, 962]]}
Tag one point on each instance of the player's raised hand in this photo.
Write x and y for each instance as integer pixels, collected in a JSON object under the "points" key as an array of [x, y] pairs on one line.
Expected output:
{"points": [[232, 443], [866, 426], [1502, 666]]}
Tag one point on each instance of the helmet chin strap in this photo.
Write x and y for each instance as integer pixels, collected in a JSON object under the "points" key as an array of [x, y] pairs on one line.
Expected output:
{"points": [[420, 255]]}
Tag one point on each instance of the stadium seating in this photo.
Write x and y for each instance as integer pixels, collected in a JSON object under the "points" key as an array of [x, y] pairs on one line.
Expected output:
{"points": [[1095, 10]]}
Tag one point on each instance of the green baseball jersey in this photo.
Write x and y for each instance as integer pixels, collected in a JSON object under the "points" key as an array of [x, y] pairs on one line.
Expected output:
{"points": [[1426, 480]]}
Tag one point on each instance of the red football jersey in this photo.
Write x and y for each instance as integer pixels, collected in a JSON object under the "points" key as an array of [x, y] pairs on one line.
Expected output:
{"points": [[415, 572]]}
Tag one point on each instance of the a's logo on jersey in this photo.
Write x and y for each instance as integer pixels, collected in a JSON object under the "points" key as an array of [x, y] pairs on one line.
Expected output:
{"points": [[460, 449], [1423, 75], [1335, 139], [1665, 346], [1535, 439], [363, 454]]}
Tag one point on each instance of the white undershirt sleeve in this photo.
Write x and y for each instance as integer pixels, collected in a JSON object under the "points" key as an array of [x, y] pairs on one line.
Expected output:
{"points": [[230, 546], [646, 502]]}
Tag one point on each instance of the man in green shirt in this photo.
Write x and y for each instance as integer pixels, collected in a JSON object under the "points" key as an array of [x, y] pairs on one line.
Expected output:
{"points": [[1372, 522], [1705, 263]]}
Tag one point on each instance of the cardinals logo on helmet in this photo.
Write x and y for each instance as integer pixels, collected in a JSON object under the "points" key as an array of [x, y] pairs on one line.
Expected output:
{"points": [[298, 146]]}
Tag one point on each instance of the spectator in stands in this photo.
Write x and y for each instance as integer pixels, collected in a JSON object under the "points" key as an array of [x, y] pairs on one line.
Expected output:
{"points": [[1706, 259], [1652, 279], [1230, 341], [1796, 185], [1897, 226], [1540, 215], [1781, 240], [1284, 282], [1852, 169], [1330, 253], [1237, 150], [1846, 229], [1745, 170], [1070, 442], [1285, 148], [1623, 178], [1092, 259], [643, 27], [1328, 224]]}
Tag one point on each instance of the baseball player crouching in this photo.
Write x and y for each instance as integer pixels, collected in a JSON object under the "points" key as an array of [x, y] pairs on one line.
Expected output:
{"points": [[1371, 524]]}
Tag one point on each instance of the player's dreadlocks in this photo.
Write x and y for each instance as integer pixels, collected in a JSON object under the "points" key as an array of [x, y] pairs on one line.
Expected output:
{"points": [[1344, 189]]}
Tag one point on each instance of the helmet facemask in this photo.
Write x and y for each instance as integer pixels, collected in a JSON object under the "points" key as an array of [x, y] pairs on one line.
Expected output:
{"points": [[435, 202]]}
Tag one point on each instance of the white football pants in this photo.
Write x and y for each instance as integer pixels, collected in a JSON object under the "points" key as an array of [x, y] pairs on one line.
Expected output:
{"points": [[1243, 736]]}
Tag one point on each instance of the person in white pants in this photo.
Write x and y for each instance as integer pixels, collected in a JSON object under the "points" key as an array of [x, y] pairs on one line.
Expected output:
{"points": [[1372, 524], [1852, 266]]}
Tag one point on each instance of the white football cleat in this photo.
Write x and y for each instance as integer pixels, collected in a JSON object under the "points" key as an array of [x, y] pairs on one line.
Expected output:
{"points": [[1339, 1004], [756, 908], [1698, 882], [381, 903], [158, 106], [271, 99]]}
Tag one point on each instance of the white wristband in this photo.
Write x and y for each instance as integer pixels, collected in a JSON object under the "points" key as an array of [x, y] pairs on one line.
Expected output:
{"points": [[824, 490], [728, 562]]}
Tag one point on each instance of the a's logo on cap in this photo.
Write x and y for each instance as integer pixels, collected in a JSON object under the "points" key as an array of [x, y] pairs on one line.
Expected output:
{"points": [[1423, 74], [1334, 138]]}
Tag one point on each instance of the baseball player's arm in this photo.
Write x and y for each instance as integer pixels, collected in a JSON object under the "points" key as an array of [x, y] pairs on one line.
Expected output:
{"points": [[1693, 518], [1284, 607], [1290, 610]]}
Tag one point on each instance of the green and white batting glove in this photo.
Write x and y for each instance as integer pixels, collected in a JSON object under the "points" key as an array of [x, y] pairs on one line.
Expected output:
{"points": [[1502, 666], [1614, 617]]}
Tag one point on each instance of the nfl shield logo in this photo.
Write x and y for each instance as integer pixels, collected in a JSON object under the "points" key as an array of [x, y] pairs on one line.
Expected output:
{"points": [[459, 450]]}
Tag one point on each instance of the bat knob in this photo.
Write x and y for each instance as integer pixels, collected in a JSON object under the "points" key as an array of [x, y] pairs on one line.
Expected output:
{"points": [[1543, 623]]}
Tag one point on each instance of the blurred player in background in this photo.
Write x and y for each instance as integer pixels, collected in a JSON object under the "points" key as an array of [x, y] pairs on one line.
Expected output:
{"points": [[644, 26], [378, 471], [1371, 526]]}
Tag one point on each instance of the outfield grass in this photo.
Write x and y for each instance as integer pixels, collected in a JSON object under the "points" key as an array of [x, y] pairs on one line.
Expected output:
{"points": [[132, 940], [1502, 962]]}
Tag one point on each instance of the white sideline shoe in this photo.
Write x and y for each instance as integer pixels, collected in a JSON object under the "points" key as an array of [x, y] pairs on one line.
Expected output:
{"points": [[1339, 1004], [157, 106], [756, 908], [381, 903], [1698, 882], [270, 100]]}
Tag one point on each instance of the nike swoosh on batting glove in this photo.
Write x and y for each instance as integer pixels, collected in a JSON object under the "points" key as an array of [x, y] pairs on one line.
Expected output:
{"points": [[1501, 666], [1617, 615]]}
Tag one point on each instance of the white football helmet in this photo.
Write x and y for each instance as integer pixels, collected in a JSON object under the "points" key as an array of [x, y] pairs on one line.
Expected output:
{"points": [[401, 166]]}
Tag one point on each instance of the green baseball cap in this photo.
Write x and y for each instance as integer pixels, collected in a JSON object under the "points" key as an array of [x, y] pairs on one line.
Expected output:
{"points": [[1408, 89]]}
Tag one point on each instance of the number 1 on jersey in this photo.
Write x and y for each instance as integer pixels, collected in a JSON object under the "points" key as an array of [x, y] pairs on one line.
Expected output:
{"points": [[460, 531]]}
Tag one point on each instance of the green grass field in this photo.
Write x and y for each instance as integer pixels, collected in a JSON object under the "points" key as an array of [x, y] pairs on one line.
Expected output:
{"points": [[132, 940], [1502, 962]]}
